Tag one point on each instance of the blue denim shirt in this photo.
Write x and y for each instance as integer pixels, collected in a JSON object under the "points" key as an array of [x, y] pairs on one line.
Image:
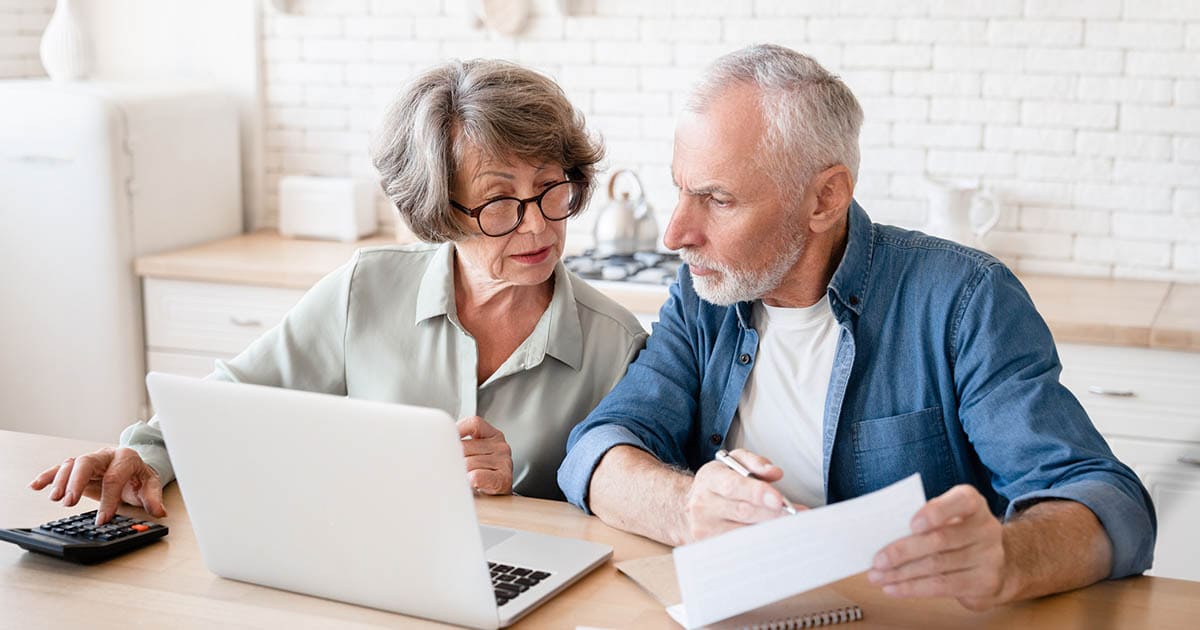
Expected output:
{"points": [[943, 367]]}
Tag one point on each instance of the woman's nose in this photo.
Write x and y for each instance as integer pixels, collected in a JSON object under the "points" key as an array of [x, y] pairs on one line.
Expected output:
{"points": [[533, 222]]}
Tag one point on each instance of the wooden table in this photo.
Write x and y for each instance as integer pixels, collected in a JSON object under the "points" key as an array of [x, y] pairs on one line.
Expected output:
{"points": [[166, 585]]}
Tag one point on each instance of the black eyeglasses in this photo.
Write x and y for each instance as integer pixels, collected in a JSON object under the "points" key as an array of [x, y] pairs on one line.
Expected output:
{"points": [[499, 216]]}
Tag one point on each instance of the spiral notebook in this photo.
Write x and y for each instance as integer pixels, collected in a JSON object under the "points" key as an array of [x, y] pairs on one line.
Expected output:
{"points": [[818, 607]]}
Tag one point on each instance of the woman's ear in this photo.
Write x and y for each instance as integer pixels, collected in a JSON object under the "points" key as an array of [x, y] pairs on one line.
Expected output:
{"points": [[835, 189]]}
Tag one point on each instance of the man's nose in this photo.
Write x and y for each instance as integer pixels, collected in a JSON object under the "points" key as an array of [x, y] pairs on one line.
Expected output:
{"points": [[683, 229]]}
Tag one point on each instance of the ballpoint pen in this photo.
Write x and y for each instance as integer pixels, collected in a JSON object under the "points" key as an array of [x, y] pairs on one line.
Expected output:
{"points": [[724, 457]]}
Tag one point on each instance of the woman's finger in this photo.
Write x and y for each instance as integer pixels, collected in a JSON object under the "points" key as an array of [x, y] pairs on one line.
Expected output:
{"points": [[61, 477], [44, 479], [490, 462], [490, 481]]}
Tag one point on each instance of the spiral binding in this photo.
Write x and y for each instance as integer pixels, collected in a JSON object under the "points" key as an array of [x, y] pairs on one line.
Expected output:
{"points": [[825, 618]]}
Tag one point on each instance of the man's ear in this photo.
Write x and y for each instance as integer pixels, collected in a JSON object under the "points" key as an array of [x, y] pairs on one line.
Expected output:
{"points": [[834, 189]]}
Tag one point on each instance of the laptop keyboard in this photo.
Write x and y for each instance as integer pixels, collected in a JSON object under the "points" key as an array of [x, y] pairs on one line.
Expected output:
{"points": [[509, 581]]}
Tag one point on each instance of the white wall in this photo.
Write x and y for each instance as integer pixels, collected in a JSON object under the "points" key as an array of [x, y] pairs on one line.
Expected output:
{"points": [[1083, 114], [21, 26]]}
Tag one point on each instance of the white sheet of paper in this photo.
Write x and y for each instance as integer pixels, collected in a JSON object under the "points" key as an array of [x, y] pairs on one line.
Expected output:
{"points": [[753, 566]]}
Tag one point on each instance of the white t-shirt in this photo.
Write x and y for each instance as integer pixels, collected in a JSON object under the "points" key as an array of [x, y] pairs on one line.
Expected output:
{"points": [[782, 409]]}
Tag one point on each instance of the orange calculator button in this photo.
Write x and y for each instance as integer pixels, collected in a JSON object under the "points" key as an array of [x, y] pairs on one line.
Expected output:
{"points": [[139, 527]]}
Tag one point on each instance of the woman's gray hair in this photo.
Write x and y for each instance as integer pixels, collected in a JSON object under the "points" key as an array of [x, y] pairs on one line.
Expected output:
{"points": [[812, 118], [502, 109]]}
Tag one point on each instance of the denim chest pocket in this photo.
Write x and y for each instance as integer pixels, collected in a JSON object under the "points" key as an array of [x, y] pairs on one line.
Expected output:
{"points": [[892, 448]]}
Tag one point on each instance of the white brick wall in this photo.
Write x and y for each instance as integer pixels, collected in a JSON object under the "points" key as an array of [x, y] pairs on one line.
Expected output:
{"points": [[1083, 115], [21, 26]]}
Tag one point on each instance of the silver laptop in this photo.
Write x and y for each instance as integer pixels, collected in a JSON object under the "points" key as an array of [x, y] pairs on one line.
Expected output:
{"points": [[357, 501]]}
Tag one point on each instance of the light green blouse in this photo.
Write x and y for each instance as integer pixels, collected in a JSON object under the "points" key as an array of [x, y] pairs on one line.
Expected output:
{"points": [[384, 327]]}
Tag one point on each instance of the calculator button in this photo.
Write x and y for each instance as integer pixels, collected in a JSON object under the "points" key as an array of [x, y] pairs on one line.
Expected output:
{"points": [[139, 527]]}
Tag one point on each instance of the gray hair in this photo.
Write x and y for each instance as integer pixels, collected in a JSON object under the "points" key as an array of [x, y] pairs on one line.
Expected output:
{"points": [[812, 118], [502, 109]]}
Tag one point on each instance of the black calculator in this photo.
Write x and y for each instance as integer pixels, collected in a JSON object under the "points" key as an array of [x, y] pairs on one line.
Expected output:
{"points": [[78, 539]]}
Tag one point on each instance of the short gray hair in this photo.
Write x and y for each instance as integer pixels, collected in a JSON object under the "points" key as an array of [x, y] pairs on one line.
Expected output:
{"points": [[812, 118], [503, 109]]}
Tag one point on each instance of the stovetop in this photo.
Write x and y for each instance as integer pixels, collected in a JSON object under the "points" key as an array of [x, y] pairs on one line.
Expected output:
{"points": [[655, 268]]}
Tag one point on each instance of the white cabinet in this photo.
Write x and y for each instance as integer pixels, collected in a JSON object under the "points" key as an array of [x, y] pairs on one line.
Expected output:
{"points": [[1146, 403], [191, 324]]}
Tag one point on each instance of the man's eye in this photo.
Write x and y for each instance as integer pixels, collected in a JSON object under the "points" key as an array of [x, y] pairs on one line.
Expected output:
{"points": [[720, 203]]}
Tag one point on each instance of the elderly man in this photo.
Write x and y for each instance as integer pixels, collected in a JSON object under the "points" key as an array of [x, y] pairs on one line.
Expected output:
{"points": [[835, 356]]}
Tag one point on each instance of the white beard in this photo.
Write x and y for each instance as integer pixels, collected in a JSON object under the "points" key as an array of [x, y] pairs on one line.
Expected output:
{"points": [[729, 286]]}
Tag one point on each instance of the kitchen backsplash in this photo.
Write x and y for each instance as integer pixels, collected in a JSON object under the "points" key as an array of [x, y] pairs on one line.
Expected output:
{"points": [[1082, 116]]}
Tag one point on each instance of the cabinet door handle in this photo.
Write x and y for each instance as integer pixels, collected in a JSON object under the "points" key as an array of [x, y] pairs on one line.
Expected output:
{"points": [[246, 323], [1190, 460], [1100, 390]]}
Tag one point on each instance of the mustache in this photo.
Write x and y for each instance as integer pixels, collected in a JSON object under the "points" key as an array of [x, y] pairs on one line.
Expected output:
{"points": [[692, 259]]}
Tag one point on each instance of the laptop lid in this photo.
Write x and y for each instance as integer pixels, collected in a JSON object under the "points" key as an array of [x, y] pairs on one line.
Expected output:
{"points": [[352, 500]]}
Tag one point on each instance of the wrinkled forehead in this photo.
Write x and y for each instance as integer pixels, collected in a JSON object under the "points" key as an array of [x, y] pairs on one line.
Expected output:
{"points": [[723, 138], [472, 156], [473, 164]]}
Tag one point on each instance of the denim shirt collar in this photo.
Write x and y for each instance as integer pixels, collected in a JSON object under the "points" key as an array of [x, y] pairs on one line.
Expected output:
{"points": [[848, 286]]}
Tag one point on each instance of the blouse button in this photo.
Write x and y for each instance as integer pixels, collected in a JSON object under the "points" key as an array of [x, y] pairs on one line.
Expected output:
{"points": [[744, 359], [715, 439]]}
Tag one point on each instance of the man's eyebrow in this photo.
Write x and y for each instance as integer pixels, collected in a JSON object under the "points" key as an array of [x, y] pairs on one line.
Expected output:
{"points": [[698, 192]]}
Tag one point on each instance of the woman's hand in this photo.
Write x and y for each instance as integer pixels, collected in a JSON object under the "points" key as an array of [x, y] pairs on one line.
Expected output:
{"points": [[489, 458], [111, 475]]}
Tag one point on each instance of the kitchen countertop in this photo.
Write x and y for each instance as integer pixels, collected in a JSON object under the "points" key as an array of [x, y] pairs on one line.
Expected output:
{"points": [[1144, 313]]}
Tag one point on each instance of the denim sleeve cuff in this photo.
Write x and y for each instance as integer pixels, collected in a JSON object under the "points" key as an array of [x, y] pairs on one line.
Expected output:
{"points": [[1127, 522], [575, 474]]}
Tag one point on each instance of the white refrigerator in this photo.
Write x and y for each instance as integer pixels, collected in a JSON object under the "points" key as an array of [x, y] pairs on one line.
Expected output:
{"points": [[91, 176]]}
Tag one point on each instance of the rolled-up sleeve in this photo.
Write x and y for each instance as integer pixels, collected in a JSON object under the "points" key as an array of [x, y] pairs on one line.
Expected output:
{"points": [[1029, 430], [1127, 518], [575, 473], [651, 408]]}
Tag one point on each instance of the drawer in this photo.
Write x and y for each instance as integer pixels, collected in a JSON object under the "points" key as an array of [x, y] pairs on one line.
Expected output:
{"points": [[1142, 392], [182, 364], [206, 317], [1171, 473]]}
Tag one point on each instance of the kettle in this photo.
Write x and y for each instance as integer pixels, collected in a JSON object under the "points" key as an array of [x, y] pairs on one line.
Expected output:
{"points": [[950, 212], [625, 225]]}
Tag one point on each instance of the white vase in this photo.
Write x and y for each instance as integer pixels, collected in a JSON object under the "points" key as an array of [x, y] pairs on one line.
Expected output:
{"points": [[64, 50]]}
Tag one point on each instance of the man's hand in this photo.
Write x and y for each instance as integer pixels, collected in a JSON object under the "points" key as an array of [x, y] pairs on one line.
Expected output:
{"points": [[957, 550], [720, 499], [110, 475], [489, 458]]}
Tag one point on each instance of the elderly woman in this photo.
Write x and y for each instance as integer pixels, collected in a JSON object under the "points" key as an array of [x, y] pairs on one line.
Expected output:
{"points": [[485, 160]]}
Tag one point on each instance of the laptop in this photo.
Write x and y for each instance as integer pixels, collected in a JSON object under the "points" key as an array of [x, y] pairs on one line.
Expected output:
{"points": [[356, 501]]}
